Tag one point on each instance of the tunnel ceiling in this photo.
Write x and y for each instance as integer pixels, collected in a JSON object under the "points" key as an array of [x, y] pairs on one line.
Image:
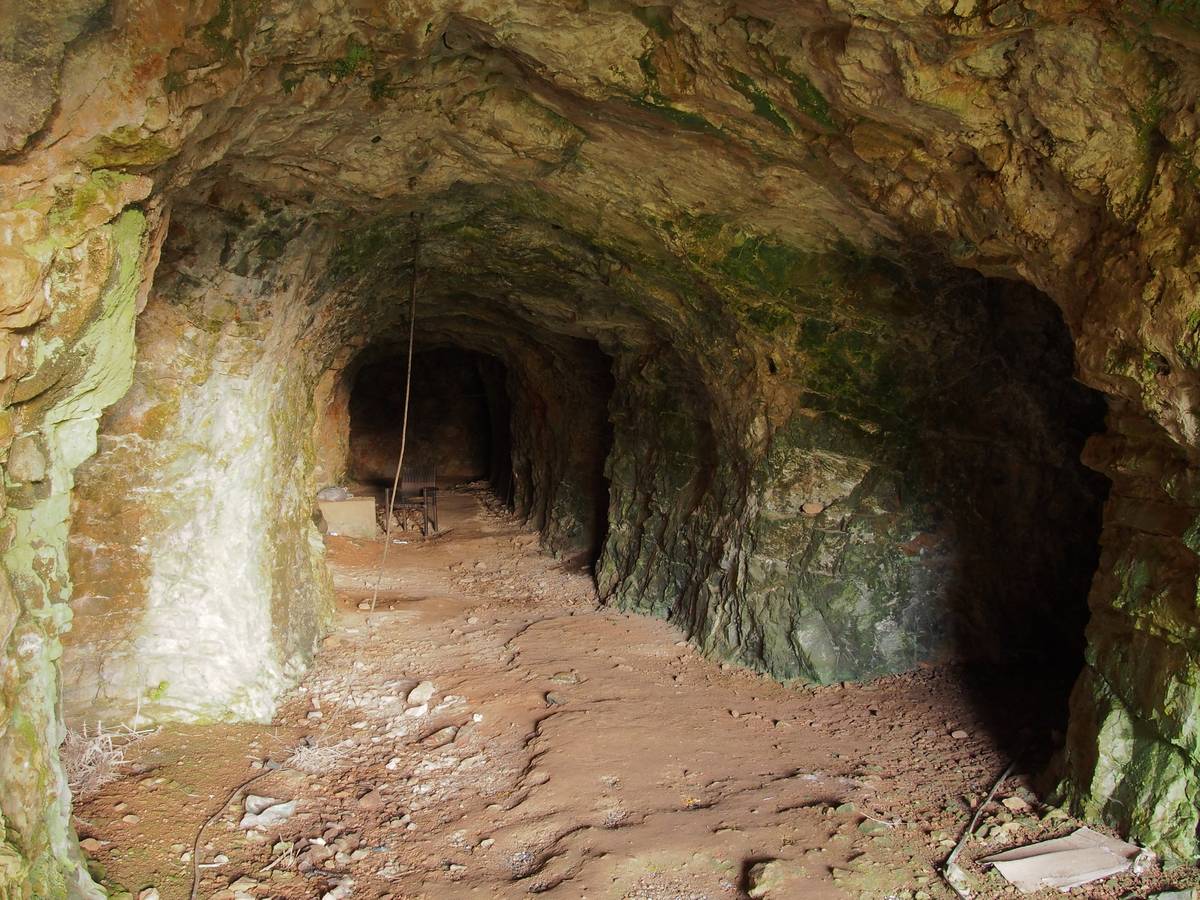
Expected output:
{"points": [[801, 251], [694, 148], [659, 138]]}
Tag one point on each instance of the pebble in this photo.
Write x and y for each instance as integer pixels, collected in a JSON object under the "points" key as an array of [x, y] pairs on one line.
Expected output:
{"points": [[370, 800], [472, 620], [959, 735], [442, 736], [131, 819], [275, 813], [870, 826], [90, 845], [256, 803], [422, 693], [148, 894]]}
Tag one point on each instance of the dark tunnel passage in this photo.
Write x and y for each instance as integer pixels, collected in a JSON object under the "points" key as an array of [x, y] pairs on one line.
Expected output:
{"points": [[453, 411], [463, 410], [1003, 461], [964, 526]]}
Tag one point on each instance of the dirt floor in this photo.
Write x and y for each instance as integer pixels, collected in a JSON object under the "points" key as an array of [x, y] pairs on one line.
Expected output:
{"points": [[569, 750]]}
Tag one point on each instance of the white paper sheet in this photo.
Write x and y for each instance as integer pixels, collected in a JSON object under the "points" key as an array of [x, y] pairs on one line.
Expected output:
{"points": [[1066, 862]]}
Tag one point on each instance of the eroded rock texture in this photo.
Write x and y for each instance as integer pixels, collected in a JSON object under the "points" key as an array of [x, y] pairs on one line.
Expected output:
{"points": [[768, 283]]}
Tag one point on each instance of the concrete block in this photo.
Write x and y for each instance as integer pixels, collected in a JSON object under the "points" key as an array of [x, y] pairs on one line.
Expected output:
{"points": [[350, 518]]}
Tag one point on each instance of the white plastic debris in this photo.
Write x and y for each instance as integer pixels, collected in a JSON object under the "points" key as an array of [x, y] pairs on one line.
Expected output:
{"points": [[1079, 858]]}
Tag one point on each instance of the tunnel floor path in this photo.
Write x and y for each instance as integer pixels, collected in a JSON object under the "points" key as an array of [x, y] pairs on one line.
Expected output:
{"points": [[564, 749]]}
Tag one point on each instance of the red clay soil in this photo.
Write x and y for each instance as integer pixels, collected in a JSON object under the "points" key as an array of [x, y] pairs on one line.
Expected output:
{"points": [[567, 750]]}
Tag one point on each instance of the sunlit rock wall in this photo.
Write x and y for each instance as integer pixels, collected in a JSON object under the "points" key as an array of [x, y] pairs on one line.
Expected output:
{"points": [[208, 597], [85, 286]]}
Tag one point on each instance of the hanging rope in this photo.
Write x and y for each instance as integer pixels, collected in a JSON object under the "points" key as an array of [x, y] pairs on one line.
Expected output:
{"points": [[412, 331]]}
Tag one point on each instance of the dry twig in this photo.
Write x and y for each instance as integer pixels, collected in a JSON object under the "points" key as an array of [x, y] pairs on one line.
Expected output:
{"points": [[93, 759]]}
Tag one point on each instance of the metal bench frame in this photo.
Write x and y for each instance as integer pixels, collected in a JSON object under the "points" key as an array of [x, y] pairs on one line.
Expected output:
{"points": [[418, 492]]}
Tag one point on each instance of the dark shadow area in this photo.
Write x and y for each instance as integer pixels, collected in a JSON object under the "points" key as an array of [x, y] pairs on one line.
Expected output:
{"points": [[598, 485], [1000, 450], [451, 424], [493, 377]]}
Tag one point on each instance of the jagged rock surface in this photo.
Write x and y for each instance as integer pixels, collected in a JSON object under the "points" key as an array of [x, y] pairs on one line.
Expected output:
{"points": [[748, 210]]}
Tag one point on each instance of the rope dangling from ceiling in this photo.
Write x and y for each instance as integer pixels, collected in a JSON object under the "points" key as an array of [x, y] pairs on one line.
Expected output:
{"points": [[412, 331]]}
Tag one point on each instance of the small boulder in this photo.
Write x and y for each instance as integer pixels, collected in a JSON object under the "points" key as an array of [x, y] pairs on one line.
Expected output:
{"points": [[269, 817], [422, 693], [372, 799], [764, 877]]}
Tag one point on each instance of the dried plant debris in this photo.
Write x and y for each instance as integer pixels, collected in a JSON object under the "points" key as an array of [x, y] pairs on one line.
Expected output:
{"points": [[94, 758], [317, 757]]}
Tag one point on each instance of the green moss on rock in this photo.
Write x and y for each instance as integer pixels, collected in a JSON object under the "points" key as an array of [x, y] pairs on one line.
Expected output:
{"points": [[761, 102], [126, 148]]}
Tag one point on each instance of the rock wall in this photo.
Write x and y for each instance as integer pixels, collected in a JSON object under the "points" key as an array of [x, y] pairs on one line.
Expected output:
{"points": [[78, 362], [923, 500], [1132, 747], [209, 597], [671, 184]]}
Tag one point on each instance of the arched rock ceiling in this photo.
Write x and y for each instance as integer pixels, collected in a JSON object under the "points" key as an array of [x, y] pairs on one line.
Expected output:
{"points": [[1007, 134]]}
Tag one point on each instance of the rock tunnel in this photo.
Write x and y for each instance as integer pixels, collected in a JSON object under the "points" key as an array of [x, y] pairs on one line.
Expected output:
{"points": [[849, 337]]}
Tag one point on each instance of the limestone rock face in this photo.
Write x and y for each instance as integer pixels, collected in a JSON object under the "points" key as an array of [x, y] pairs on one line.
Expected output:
{"points": [[770, 237], [203, 467]]}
